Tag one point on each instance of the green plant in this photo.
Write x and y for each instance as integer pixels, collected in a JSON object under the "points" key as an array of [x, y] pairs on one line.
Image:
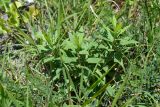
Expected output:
{"points": [[81, 53]]}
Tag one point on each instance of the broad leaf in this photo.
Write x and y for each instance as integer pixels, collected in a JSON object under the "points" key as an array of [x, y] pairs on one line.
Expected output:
{"points": [[127, 41], [94, 60]]}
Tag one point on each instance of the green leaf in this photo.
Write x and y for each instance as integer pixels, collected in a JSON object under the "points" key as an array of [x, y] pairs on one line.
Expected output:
{"points": [[123, 30], [111, 91], [2, 31], [18, 4], [69, 59], [48, 59], [101, 90], [68, 45], [110, 37], [99, 73], [129, 101], [120, 61], [114, 21], [127, 41], [1, 91], [120, 91], [118, 27], [47, 38], [95, 60], [26, 36], [80, 35], [41, 48], [99, 80], [84, 52]]}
